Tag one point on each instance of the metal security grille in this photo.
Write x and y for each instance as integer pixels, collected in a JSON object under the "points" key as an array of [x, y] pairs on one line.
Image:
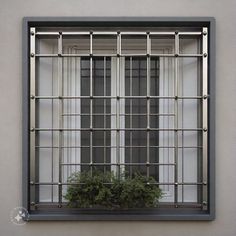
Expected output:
{"points": [[122, 100]]}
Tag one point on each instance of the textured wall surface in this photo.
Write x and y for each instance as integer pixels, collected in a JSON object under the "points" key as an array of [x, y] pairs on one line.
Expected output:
{"points": [[11, 14]]}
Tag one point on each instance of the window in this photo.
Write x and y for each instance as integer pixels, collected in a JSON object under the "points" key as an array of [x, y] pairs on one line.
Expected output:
{"points": [[123, 97]]}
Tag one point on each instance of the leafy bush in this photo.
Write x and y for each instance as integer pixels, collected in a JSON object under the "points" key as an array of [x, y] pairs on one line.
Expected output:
{"points": [[107, 191]]}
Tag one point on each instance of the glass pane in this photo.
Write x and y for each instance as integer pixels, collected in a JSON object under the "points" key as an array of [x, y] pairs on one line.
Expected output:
{"points": [[46, 76], [189, 76], [166, 76], [190, 113], [136, 112], [46, 45], [190, 44], [133, 44], [101, 110], [76, 44], [104, 44], [48, 193], [162, 44]]}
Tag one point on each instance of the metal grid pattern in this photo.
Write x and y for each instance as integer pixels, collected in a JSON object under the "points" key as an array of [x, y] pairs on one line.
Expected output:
{"points": [[117, 98]]}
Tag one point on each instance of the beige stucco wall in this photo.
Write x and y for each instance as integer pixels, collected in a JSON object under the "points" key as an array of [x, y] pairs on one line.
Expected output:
{"points": [[11, 14]]}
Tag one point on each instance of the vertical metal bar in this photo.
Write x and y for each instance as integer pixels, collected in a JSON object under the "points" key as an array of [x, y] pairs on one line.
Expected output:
{"points": [[148, 104], [104, 109], [67, 102], [32, 117], [169, 76], [182, 133], [164, 135], [160, 121], [118, 103], [176, 118], [52, 133], [157, 92], [91, 102], [205, 113], [70, 111], [165, 122], [64, 88], [139, 106], [121, 115], [75, 110], [199, 124], [131, 116], [113, 111], [73, 106], [60, 94], [78, 110]]}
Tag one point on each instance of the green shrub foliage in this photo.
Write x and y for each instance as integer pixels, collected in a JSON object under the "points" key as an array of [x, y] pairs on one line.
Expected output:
{"points": [[105, 190]]}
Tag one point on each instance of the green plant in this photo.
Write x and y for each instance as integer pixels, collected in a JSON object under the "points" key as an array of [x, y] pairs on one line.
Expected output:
{"points": [[107, 191]]}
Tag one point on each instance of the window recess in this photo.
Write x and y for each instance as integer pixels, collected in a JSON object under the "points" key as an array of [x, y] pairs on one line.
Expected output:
{"points": [[122, 100]]}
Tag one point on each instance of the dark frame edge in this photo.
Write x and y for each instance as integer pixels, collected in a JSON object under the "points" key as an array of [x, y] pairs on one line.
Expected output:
{"points": [[211, 121], [25, 115], [39, 21]]}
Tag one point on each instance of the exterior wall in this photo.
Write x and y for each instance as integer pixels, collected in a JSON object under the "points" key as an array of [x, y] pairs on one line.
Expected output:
{"points": [[11, 14]]}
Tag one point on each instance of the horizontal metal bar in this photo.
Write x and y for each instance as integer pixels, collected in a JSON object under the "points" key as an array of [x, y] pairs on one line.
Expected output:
{"points": [[158, 55], [101, 55], [118, 164], [108, 146], [114, 114], [190, 55], [47, 33], [190, 33], [133, 33], [161, 205], [88, 55], [162, 55], [176, 55], [46, 55], [115, 55], [133, 54], [105, 33], [76, 55], [162, 33], [115, 129], [75, 33], [157, 183], [115, 32], [120, 97]]}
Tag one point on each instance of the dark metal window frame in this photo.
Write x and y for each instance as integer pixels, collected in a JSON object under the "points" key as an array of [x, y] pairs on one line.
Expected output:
{"points": [[159, 214]]}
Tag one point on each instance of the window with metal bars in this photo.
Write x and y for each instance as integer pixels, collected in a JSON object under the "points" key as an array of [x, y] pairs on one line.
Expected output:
{"points": [[123, 100]]}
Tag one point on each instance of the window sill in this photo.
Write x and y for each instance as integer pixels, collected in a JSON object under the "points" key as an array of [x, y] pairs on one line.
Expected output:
{"points": [[132, 215]]}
